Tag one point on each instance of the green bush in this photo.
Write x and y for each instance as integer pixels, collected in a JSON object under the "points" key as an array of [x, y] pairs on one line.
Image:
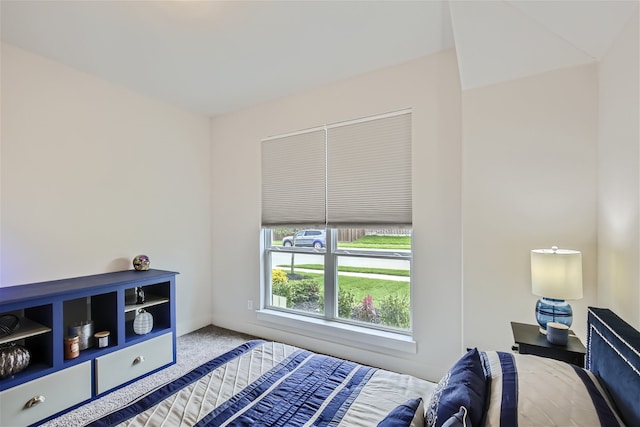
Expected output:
{"points": [[346, 303], [394, 311], [280, 285], [302, 291], [278, 277]]}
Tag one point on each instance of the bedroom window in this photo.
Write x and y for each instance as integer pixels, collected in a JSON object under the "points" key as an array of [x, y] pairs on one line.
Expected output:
{"points": [[336, 217], [362, 278]]}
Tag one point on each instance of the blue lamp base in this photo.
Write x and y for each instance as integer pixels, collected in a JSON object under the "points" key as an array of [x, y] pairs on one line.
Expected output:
{"points": [[553, 310]]}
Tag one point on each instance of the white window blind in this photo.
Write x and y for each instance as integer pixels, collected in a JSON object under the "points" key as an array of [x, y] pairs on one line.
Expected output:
{"points": [[361, 177], [293, 179], [369, 172]]}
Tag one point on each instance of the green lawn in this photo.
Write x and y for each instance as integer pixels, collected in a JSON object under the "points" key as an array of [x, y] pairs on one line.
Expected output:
{"points": [[377, 288], [348, 269], [379, 242], [362, 286]]}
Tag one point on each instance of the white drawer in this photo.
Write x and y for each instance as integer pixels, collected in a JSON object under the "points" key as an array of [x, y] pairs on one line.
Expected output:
{"points": [[124, 365], [60, 390]]}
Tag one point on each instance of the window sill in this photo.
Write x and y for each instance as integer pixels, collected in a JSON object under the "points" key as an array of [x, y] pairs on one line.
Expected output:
{"points": [[340, 333]]}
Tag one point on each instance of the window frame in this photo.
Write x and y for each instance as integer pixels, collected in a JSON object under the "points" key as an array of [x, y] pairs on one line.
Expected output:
{"points": [[331, 253], [310, 212]]}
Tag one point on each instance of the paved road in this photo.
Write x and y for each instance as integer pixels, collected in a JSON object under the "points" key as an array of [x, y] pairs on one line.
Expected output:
{"points": [[279, 258], [369, 275]]}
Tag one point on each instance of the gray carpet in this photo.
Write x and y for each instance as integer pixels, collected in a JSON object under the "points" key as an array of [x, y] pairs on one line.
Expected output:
{"points": [[193, 349]]}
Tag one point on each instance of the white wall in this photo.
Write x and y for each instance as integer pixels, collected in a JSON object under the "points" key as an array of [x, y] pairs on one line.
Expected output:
{"points": [[529, 179], [93, 174], [619, 179], [514, 168], [430, 86]]}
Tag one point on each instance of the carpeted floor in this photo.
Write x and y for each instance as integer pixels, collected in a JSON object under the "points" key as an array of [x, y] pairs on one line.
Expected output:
{"points": [[193, 349]]}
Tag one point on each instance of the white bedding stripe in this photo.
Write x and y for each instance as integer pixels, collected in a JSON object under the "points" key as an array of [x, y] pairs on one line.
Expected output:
{"points": [[210, 386], [550, 393], [173, 405], [331, 396], [495, 397], [212, 390], [265, 393], [194, 402], [382, 393]]}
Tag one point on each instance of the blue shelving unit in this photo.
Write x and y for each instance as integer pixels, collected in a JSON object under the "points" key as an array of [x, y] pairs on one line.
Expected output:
{"points": [[47, 309]]}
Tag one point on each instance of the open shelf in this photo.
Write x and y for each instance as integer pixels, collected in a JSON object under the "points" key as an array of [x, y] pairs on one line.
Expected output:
{"points": [[157, 302], [150, 301], [98, 311], [47, 310], [27, 328]]}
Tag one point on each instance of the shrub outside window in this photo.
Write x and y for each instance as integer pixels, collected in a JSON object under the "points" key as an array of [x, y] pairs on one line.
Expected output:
{"points": [[360, 276]]}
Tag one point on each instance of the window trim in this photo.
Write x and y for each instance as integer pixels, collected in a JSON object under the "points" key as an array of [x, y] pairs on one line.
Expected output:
{"points": [[324, 320], [383, 132], [361, 337]]}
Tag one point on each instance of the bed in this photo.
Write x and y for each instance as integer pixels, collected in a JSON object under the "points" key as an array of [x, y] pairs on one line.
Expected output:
{"points": [[275, 384]]}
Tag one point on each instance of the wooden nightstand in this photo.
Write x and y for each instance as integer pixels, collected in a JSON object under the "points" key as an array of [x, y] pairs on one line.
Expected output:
{"points": [[529, 340]]}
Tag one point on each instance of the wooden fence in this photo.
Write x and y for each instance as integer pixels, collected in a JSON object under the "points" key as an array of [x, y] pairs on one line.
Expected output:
{"points": [[346, 234]]}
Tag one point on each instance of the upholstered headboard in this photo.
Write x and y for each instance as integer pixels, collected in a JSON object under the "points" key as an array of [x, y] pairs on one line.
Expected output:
{"points": [[613, 354]]}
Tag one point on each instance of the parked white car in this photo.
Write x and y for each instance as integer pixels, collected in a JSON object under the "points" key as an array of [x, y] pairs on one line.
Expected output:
{"points": [[311, 238]]}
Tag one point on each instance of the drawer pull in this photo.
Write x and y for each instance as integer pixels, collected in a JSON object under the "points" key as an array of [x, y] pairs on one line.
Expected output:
{"points": [[34, 401], [138, 360]]}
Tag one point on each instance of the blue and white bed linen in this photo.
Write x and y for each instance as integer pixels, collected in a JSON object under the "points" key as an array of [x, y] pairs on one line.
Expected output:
{"points": [[274, 384], [528, 390]]}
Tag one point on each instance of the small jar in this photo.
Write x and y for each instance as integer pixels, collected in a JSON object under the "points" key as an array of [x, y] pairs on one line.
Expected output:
{"points": [[557, 333], [101, 339], [71, 347], [84, 331]]}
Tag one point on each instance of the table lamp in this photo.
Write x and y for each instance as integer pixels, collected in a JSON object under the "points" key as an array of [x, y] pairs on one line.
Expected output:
{"points": [[556, 275]]}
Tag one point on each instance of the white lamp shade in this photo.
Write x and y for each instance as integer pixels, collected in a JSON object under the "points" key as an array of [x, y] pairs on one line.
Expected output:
{"points": [[556, 273]]}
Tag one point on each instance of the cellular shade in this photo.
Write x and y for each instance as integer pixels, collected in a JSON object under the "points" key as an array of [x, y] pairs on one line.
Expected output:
{"points": [[369, 172], [293, 179], [349, 174]]}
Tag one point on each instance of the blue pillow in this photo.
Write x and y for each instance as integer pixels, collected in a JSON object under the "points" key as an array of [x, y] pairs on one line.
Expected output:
{"points": [[464, 386], [403, 414]]}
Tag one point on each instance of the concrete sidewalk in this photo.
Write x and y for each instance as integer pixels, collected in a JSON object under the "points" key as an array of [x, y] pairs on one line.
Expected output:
{"points": [[345, 273]]}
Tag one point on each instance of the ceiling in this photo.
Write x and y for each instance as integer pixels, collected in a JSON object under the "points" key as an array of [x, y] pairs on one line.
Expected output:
{"points": [[212, 57]]}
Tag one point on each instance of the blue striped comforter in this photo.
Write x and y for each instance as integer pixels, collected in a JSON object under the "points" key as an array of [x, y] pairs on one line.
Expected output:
{"points": [[273, 384]]}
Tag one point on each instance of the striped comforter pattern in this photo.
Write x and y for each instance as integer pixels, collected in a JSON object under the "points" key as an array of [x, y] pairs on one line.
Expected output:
{"points": [[273, 384], [532, 391]]}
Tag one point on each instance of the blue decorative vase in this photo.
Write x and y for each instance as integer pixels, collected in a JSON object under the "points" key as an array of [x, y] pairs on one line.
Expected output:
{"points": [[553, 310]]}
